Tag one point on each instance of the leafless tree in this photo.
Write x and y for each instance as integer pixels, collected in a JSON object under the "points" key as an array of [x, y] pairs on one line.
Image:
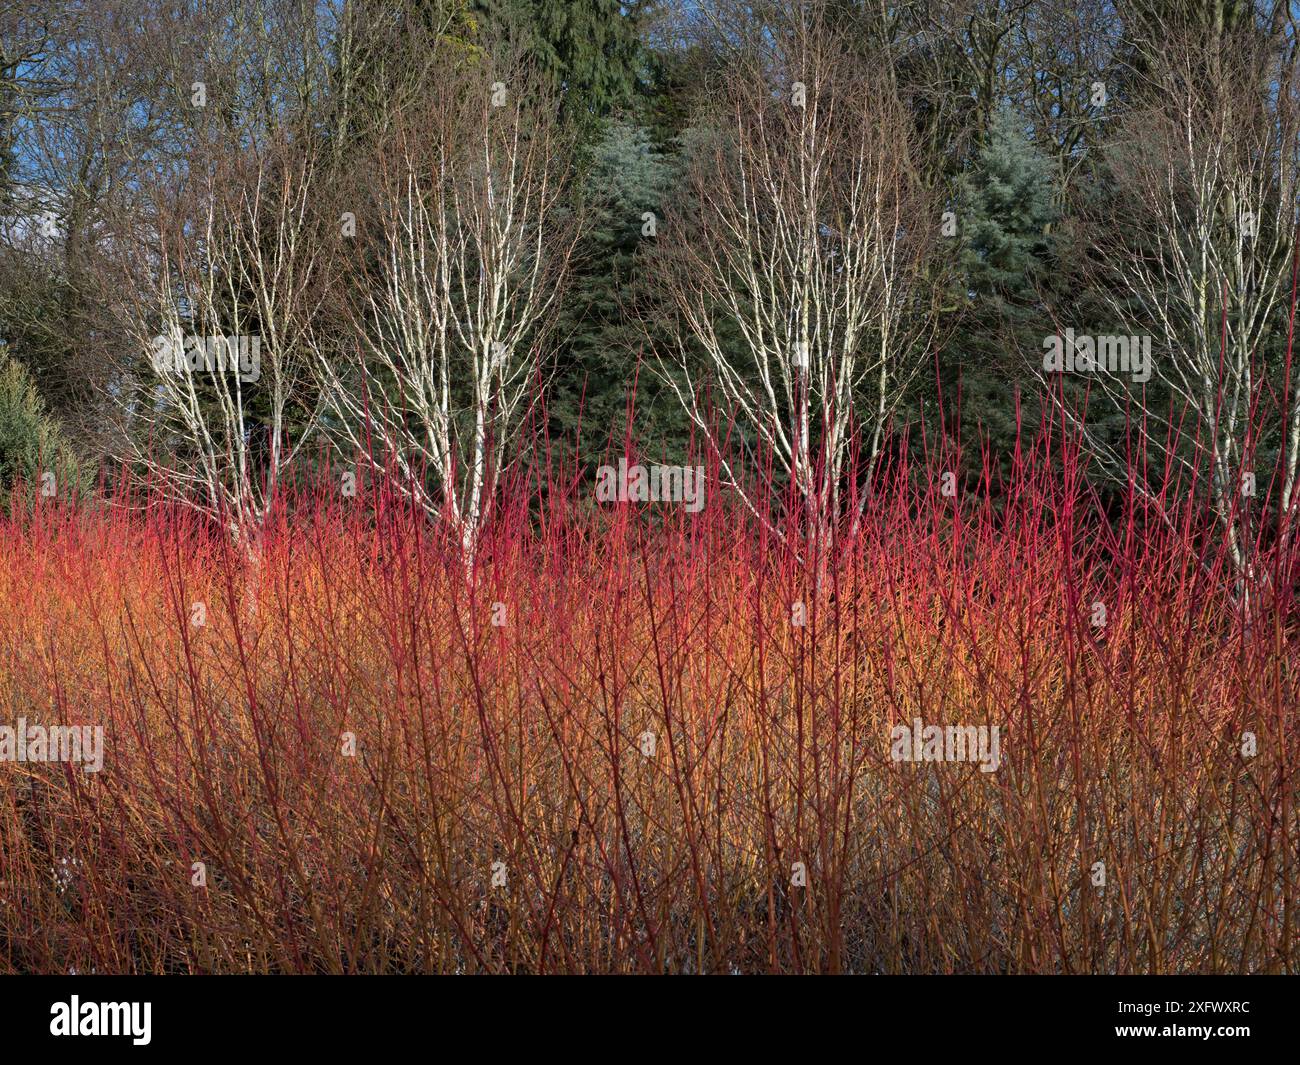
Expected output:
{"points": [[793, 260], [207, 252], [1198, 253], [465, 248], [220, 279]]}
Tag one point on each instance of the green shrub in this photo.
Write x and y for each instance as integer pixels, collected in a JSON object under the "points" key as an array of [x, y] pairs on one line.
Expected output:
{"points": [[31, 443]]}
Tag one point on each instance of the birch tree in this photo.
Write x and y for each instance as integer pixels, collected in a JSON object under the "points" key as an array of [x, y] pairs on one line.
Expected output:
{"points": [[1198, 253], [463, 251], [219, 290], [793, 263]]}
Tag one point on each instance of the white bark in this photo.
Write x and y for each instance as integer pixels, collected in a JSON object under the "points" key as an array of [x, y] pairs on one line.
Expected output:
{"points": [[806, 239], [471, 252]]}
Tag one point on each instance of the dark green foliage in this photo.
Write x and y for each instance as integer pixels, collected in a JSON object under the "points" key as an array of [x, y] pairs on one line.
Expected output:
{"points": [[1004, 212], [31, 444], [598, 361], [1006, 209], [587, 50]]}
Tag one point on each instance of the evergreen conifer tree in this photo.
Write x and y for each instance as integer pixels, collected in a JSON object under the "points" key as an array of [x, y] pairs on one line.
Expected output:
{"points": [[1005, 211]]}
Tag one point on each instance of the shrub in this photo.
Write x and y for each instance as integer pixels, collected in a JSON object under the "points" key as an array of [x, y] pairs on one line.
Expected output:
{"points": [[31, 443]]}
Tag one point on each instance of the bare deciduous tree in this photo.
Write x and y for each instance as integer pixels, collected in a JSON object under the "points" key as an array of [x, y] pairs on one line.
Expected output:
{"points": [[217, 302], [1198, 254], [793, 262], [465, 248]]}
